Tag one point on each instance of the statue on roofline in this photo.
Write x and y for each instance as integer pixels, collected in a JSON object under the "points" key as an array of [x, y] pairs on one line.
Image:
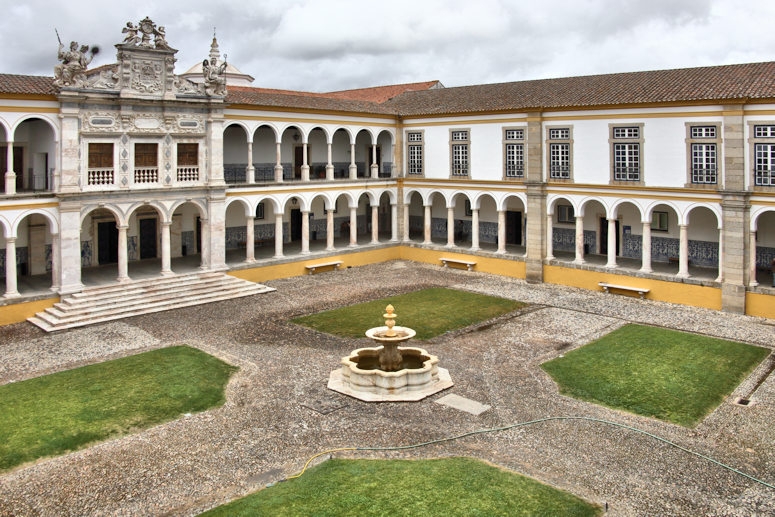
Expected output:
{"points": [[141, 34], [74, 61], [215, 80]]}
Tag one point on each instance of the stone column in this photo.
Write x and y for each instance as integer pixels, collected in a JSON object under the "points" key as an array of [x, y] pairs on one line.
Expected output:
{"points": [[579, 240], [393, 222], [683, 251], [305, 163], [123, 255], [329, 164], [353, 167], [330, 230], [278, 235], [56, 274], [720, 277], [426, 221], [216, 219], [374, 164], [278, 167], [11, 290], [549, 239], [405, 236], [304, 232], [375, 224], [645, 248], [205, 238], [250, 239], [166, 261], [611, 244], [450, 227], [10, 175], [501, 232], [250, 170], [353, 226], [752, 281], [69, 247], [475, 229]]}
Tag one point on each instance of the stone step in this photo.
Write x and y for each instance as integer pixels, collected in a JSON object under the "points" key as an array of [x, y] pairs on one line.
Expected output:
{"points": [[132, 291], [191, 291], [111, 302]]}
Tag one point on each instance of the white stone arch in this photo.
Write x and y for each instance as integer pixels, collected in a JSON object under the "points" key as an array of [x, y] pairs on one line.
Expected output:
{"points": [[164, 215], [196, 202], [552, 199], [5, 126], [277, 133], [293, 125], [651, 205], [239, 123], [619, 202], [756, 213], [245, 202], [715, 209], [121, 218], [39, 116], [5, 225], [50, 216]]}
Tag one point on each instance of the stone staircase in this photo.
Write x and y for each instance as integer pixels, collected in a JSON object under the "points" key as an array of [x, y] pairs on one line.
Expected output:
{"points": [[115, 301]]}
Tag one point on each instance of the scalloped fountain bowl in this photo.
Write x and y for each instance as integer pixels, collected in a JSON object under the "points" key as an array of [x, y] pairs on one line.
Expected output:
{"points": [[389, 373]]}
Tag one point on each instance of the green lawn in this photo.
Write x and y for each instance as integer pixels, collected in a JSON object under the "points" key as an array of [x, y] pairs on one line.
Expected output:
{"points": [[664, 374], [64, 411], [430, 312], [443, 488]]}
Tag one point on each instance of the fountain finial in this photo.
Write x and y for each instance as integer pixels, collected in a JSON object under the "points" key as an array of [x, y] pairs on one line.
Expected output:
{"points": [[390, 321]]}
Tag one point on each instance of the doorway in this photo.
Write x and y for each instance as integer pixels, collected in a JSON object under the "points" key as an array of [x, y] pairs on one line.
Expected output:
{"points": [[295, 224], [148, 236], [107, 243], [513, 227]]}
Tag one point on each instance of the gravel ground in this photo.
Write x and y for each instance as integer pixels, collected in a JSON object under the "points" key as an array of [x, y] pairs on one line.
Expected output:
{"points": [[279, 413]]}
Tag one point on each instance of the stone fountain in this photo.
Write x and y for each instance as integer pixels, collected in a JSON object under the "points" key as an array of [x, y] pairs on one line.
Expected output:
{"points": [[389, 372]]}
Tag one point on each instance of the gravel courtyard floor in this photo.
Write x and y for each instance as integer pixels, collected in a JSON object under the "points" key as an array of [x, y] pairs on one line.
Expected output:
{"points": [[279, 412]]}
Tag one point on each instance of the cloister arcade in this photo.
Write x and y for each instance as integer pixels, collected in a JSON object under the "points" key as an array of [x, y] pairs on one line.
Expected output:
{"points": [[294, 153]]}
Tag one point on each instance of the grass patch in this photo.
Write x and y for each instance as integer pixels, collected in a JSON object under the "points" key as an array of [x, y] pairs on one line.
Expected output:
{"points": [[673, 376], [443, 487], [430, 312], [64, 411]]}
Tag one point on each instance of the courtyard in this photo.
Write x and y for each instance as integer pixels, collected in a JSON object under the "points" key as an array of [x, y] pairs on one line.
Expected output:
{"points": [[279, 413]]}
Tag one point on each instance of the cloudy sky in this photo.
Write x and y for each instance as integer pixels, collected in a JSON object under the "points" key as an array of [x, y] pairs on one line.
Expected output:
{"points": [[328, 45]]}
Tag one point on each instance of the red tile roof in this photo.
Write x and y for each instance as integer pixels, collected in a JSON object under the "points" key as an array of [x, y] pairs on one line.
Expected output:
{"points": [[753, 82], [27, 85], [731, 83]]}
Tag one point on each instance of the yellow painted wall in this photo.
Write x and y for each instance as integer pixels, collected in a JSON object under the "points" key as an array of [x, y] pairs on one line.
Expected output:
{"points": [[495, 266], [675, 292], [287, 270], [18, 312], [761, 305]]}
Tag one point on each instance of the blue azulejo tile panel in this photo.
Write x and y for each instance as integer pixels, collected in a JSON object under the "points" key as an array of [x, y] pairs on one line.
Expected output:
{"points": [[564, 239], [131, 247], [86, 253]]}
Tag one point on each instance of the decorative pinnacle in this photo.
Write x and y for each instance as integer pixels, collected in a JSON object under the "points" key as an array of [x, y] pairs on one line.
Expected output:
{"points": [[390, 321]]}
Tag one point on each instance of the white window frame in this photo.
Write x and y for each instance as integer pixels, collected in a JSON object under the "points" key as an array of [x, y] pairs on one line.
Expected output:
{"points": [[762, 155], [514, 153], [415, 145], [559, 153], [460, 153], [626, 141], [703, 154]]}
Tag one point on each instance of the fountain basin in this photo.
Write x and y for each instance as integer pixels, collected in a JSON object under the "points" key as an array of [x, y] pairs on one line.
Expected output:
{"points": [[418, 377]]}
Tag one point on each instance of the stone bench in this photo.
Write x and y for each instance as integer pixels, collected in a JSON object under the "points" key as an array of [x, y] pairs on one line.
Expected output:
{"points": [[640, 290], [446, 261], [313, 267]]}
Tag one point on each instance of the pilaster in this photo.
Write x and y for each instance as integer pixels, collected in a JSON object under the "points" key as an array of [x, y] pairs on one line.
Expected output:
{"points": [[735, 215]]}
